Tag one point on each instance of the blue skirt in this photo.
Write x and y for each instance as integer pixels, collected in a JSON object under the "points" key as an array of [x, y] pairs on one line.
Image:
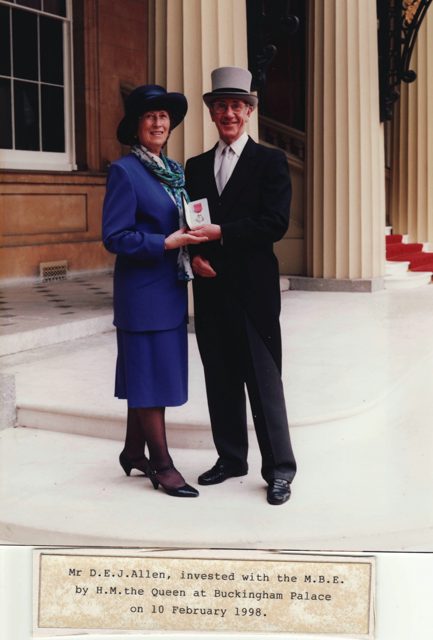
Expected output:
{"points": [[152, 367]]}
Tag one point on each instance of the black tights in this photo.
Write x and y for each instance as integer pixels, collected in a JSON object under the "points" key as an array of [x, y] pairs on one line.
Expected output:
{"points": [[147, 426]]}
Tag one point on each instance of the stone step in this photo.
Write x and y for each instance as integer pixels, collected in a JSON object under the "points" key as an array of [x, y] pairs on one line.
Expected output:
{"points": [[55, 334], [284, 283], [190, 434], [409, 280], [63, 489], [395, 267], [48, 313], [36, 323], [356, 370]]}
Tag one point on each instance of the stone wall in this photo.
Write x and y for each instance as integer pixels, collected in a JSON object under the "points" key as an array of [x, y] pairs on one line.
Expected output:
{"points": [[52, 216]]}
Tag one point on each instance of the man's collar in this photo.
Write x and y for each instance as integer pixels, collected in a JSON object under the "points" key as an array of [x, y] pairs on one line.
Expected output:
{"points": [[237, 146]]}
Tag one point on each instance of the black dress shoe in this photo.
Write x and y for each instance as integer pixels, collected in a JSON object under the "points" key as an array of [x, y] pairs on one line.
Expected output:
{"points": [[219, 473], [278, 491]]}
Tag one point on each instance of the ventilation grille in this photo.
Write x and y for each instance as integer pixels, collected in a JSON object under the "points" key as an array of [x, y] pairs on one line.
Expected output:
{"points": [[53, 270]]}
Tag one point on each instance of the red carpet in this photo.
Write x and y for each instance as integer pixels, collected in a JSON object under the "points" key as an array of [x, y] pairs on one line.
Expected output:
{"points": [[412, 252], [393, 238]]}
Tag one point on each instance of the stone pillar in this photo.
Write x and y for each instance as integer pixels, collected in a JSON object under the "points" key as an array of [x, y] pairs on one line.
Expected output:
{"points": [[191, 38], [411, 210], [345, 158]]}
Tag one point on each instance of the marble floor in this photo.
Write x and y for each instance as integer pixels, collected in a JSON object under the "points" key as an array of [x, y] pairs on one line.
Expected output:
{"points": [[358, 378], [41, 313]]}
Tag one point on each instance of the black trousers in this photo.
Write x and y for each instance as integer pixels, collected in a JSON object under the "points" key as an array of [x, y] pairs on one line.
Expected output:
{"points": [[235, 356]]}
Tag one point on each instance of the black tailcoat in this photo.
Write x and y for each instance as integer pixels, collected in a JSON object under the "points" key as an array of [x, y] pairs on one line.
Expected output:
{"points": [[240, 308]]}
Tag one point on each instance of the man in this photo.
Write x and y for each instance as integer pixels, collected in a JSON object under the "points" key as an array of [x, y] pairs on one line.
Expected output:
{"points": [[236, 288]]}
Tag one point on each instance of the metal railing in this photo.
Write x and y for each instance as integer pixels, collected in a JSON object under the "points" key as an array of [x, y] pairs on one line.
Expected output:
{"points": [[290, 140]]}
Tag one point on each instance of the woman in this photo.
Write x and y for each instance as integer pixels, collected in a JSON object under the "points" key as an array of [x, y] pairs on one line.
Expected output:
{"points": [[143, 226]]}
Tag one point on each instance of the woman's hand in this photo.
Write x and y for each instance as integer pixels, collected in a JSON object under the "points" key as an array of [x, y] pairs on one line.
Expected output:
{"points": [[211, 231], [181, 238]]}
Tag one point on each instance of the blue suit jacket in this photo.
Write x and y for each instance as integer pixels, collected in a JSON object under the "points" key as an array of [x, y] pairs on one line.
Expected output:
{"points": [[137, 216]]}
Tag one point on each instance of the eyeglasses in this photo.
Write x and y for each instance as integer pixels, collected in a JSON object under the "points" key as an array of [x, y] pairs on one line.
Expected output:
{"points": [[220, 106]]}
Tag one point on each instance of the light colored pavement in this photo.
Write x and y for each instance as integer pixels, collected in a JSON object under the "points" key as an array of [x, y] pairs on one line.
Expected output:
{"points": [[42, 313], [358, 376]]}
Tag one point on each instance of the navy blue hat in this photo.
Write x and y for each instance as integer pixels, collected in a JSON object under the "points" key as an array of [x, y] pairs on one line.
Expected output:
{"points": [[149, 97]]}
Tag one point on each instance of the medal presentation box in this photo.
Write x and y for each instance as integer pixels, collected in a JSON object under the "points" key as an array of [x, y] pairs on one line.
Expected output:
{"points": [[196, 213]]}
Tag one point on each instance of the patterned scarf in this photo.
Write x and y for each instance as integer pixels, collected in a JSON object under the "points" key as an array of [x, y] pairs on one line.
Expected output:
{"points": [[172, 178]]}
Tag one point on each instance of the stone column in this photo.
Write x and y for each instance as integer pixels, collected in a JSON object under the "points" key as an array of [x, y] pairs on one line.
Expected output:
{"points": [[345, 159], [191, 38], [411, 210]]}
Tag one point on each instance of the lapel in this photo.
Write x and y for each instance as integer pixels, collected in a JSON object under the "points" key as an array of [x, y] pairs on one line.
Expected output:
{"points": [[207, 175], [240, 176]]}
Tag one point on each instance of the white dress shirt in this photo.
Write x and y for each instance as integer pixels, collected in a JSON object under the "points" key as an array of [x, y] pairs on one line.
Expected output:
{"points": [[237, 146]]}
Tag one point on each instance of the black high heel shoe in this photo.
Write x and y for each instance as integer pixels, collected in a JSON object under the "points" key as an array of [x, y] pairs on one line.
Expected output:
{"points": [[185, 491], [143, 465], [127, 464]]}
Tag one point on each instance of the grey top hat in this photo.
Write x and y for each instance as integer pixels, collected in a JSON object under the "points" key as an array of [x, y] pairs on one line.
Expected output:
{"points": [[231, 82]]}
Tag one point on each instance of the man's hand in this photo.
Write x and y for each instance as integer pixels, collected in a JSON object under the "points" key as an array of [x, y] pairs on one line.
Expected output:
{"points": [[201, 266], [210, 231], [181, 238]]}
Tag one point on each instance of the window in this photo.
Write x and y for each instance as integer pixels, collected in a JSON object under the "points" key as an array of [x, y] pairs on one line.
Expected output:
{"points": [[36, 85]]}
